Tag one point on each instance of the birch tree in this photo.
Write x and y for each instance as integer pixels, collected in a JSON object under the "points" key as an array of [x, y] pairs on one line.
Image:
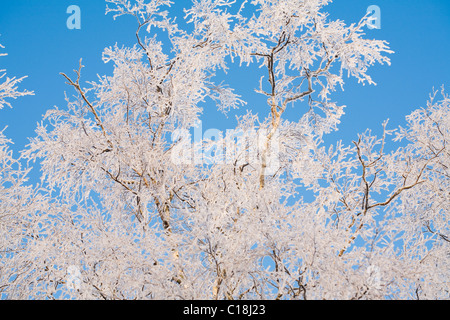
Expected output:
{"points": [[19, 202], [139, 216]]}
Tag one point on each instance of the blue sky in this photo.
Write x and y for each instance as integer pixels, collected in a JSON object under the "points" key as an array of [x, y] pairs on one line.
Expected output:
{"points": [[40, 45]]}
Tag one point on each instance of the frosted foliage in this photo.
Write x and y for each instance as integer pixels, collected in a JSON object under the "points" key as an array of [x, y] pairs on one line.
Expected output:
{"points": [[130, 220], [8, 86], [21, 206]]}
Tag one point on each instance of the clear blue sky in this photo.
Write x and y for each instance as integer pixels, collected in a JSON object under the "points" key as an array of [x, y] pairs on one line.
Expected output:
{"points": [[40, 45]]}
